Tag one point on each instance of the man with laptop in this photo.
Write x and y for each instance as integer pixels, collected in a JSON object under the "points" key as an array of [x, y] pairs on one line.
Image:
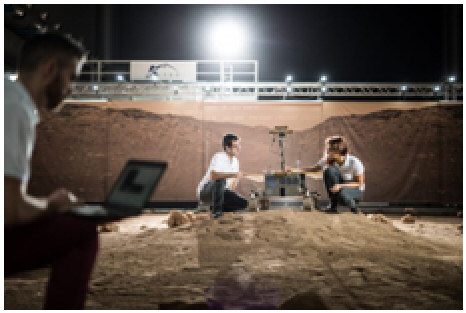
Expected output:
{"points": [[37, 233], [47, 231]]}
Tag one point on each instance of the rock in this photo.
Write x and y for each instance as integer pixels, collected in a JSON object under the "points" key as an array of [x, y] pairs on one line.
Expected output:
{"points": [[108, 228], [202, 216], [410, 211], [177, 218], [143, 227], [378, 218], [191, 217], [408, 219]]}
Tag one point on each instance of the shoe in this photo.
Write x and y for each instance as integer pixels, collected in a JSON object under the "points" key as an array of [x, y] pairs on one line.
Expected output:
{"points": [[217, 214], [330, 209], [355, 210]]}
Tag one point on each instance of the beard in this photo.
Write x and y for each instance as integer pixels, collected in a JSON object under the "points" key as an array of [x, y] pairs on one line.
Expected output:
{"points": [[54, 94], [330, 161]]}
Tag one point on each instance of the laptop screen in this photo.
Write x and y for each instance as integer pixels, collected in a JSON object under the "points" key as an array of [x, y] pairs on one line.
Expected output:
{"points": [[135, 184]]}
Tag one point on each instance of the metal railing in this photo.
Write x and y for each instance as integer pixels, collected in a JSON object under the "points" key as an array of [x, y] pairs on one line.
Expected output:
{"points": [[279, 91], [98, 71]]}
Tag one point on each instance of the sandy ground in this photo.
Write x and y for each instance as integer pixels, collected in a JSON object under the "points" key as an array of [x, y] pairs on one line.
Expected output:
{"points": [[275, 259]]}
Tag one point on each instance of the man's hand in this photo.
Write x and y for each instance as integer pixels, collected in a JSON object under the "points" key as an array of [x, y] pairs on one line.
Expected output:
{"points": [[61, 201], [240, 175], [336, 188], [290, 169]]}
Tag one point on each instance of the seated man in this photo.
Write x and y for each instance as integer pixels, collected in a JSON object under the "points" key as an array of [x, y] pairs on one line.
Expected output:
{"points": [[37, 233], [343, 174], [221, 178]]}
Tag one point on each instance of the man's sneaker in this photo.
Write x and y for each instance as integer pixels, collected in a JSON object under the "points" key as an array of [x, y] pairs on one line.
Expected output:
{"points": [[217, 214], [330, 209]]}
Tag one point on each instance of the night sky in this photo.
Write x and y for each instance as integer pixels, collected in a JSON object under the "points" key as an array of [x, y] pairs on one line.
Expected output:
{"points": [[351, 43]]}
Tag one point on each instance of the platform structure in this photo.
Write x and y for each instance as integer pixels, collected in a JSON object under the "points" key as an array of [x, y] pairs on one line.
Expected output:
{"points": [[233, 80]]}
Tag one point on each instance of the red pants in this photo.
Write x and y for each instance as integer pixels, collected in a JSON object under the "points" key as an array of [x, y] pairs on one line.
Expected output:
{"points": [[66, 243]]}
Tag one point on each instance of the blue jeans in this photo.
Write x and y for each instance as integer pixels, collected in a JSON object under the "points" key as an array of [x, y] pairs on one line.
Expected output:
{"points": [[221, 198], [346, 196]]}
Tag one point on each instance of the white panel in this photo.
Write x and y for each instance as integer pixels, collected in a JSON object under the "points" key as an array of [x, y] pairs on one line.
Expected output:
{"points": [[163, 71]]}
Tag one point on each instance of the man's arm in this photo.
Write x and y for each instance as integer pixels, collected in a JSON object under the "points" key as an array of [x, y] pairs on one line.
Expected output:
{"points": [[234, 183], [315, 168], [20, 211], [17, 210], [217, 175], [357, 184]]}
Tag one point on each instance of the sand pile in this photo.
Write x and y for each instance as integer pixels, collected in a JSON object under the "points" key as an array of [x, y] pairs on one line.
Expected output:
{"points": [[271, 259]]}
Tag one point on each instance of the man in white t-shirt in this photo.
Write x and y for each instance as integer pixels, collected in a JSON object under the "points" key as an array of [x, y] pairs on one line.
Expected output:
{"points": [[219, 182], [343, 174], [37, 232]]}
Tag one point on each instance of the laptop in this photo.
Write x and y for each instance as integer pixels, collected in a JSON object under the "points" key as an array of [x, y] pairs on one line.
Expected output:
{"points": [[129, 193]]}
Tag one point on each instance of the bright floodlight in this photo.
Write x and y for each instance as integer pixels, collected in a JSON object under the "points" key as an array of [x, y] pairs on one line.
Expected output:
{"points": [[324, 89], [120, 78], [323, 78], [153, 77], [288, 89], [437, 88], [95, 87], [452, 79], [227, 39], [13, 77], [289, 78], [404, 88]]}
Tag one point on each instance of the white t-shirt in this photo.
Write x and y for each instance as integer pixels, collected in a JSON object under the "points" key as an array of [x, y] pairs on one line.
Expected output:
{"points": [[20, 119], [220, 163], [351, 168]]}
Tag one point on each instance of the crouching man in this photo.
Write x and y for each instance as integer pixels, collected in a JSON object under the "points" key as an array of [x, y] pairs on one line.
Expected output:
{"points": [[343, 176], [218, 184]]}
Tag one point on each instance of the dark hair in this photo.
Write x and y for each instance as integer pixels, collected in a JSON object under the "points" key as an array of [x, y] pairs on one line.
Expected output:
{"points": [[338, 144], [42, 48], [228, 140]]}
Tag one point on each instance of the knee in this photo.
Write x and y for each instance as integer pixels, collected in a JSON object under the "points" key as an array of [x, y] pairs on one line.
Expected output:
{"points": [[87, 229], [343, 194], [220, 184], [331, 170]]}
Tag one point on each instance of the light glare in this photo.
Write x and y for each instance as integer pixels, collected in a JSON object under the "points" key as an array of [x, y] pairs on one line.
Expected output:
{"points": [[227, 39]]}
